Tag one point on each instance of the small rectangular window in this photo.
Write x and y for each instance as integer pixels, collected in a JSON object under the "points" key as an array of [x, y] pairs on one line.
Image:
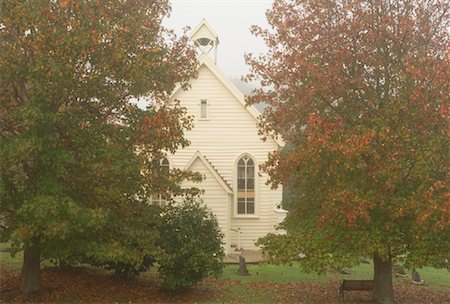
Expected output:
{"points": [[203, 109]]}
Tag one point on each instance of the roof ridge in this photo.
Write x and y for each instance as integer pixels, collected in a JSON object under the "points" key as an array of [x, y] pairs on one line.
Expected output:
{"points": [[217, 171], [211, 169]]}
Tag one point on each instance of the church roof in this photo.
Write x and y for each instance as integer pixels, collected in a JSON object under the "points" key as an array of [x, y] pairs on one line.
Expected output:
{"points": [[204, 24], [211, 169]]}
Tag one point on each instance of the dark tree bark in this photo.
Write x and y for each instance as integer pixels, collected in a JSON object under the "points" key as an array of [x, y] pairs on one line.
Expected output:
{"points": [[383, 292], [31, 270]]}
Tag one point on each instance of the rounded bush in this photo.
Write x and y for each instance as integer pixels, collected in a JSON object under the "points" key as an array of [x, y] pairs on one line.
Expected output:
{"points": [[192, 243]]}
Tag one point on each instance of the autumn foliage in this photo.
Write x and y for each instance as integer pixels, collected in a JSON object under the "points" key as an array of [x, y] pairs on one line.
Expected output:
{"points": [[79, 160], [359, 90]]}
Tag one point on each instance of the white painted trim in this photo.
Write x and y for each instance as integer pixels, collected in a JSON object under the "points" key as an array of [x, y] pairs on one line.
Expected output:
{"points": [[248, 216], [210, 168], [235, 186], [206, 61], [166, 156], [160, 199], [227, 244], [205, 23], [280, 210], [207, 109]]}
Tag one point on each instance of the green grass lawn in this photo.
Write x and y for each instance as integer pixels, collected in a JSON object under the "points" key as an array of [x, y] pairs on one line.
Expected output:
{"points": [[284, 274], [13, 262], [277, 283], [439, 277], [434, 278], [275, 273]]}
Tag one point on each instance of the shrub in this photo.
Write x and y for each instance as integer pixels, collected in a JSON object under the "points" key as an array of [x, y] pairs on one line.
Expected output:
{"points": [[192, 243], [127, 247], [129, 268]]}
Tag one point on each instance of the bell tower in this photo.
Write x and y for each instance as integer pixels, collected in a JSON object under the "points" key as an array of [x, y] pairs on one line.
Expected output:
{"points": [[205, 40]]}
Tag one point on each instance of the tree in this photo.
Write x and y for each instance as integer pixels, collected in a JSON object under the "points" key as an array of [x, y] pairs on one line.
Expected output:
{"points": [[78, 160], [359, 91]]}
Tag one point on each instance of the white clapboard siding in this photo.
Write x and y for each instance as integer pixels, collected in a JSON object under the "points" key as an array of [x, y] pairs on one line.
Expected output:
{"points": [[215, 197], [229, 132]]}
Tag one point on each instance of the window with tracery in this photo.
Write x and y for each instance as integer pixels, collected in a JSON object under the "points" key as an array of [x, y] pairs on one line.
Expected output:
{"points": [[245, 186], [157, 198]]}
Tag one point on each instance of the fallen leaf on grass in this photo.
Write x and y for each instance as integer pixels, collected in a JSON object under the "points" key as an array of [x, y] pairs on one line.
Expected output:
{"points": [[62, 285]]}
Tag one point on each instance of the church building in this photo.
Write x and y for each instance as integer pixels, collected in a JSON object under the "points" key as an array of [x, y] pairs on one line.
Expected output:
{"points": [[227, 150]]}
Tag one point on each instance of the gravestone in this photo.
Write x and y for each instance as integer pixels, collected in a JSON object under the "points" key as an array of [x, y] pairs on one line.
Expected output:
{"points": [[362, 260], [415, 276], [242, 267], [344, 271], [400, 270]]}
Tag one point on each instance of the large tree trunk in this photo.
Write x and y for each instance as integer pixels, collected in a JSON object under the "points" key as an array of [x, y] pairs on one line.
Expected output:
{"points": [[383, 292], [31, 270]]}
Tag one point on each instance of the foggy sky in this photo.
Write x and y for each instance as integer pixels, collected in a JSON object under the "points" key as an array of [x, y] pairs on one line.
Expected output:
{"points": [[231, 20]]}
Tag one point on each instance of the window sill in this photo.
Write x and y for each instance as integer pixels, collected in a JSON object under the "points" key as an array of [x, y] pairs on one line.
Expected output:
{"points": [[245, 216]]}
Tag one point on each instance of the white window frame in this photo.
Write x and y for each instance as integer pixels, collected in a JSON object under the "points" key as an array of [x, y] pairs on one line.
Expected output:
{"points": [[256, 188], [203, 101], [158, 199]]}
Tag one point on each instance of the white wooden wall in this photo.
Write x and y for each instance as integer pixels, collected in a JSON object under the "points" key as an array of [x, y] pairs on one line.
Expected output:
{"points": [[215, 197], [229, 132]]}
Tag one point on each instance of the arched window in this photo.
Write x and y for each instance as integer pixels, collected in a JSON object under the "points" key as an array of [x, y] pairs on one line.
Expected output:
{"points": [[245, 185], [158, 198]]}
